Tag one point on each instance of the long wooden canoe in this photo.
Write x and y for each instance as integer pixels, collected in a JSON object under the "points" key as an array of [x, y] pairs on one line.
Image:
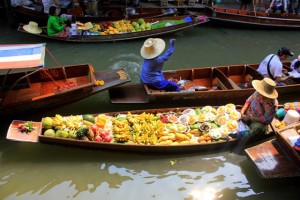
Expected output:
{"points": [[277, 158], [166, 130], [65, 84], [168, 29], [207, 85], [26, 85], [251, 19]]}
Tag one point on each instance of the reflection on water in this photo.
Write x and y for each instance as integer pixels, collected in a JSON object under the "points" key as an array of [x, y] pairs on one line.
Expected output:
{"points": [[42, 171]]}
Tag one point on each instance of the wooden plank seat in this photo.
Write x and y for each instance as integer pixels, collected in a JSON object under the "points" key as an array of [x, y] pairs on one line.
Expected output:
{"points": [[233, 84], [254, 73], [222, 81]]}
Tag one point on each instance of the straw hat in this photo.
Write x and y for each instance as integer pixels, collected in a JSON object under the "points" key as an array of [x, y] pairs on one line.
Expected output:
{"points": [[265, 87], [152, 48], [32, 27]]}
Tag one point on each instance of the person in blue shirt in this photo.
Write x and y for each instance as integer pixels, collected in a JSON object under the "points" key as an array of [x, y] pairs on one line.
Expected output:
{"points": [[151, 73]]}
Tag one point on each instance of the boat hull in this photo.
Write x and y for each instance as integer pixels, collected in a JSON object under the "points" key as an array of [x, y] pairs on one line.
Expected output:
{"points": [[209, 147], [277, 158], [124, 36], [41, 91], [222, 85], [250, 19]]}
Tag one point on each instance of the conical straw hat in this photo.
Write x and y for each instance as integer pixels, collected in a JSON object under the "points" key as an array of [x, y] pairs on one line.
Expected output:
{"points": [[32, 27], [152, 48]]}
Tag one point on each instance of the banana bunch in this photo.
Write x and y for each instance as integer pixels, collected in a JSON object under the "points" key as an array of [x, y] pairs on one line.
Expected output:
{"points": [[122, 74], [58, 122], [121, 130], [73, 122], [123, 26], [133, 119]]}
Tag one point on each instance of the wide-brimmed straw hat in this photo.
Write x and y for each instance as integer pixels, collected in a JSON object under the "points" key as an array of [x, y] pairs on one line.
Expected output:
{"points": [[152, 48], [265, 87], [32, 27]]}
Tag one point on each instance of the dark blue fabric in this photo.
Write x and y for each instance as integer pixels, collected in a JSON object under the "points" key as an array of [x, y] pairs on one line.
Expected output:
{"points": [[152, 75]]}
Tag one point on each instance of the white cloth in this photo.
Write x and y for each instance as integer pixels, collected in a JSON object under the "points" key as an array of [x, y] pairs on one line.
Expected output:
{"points": [[293, 64], [279, 3], [294, 74], [275, 67]]}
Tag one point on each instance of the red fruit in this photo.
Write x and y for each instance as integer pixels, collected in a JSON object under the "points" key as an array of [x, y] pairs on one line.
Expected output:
{"points": [[98, 138], [94, 128], [164, 118], [107, 138], [103, 133]]}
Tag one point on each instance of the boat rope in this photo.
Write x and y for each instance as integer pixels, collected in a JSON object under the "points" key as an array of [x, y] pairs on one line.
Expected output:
{"points": [[53, 58], [66, 85], [60, 87], [56, 61]]}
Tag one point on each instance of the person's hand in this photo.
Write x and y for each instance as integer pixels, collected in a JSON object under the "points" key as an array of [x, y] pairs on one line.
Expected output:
{"points": [[285, 71], [172, 41], [246, 117]]}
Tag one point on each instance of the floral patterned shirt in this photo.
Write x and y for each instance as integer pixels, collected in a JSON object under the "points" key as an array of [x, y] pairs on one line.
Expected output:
{"points": [[262, 107]]}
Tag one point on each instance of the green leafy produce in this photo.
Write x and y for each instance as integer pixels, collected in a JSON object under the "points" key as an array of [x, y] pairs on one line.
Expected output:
{"points": [[194, 126], [82, 131], [26, 127]]}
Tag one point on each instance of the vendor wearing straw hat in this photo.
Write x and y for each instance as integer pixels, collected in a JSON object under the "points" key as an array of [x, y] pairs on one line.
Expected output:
{"points": [[260, 108], [151, 73]]}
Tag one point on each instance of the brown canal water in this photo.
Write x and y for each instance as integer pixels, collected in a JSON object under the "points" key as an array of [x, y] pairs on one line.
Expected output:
{"points": [[44, 171]]}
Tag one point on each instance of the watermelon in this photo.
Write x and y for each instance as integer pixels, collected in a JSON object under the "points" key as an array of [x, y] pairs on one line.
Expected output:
{"points": [[89, 117]]}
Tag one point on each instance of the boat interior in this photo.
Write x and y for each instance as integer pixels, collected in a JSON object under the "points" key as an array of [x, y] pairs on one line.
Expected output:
{"points": [[212, 78], [30, 86]]}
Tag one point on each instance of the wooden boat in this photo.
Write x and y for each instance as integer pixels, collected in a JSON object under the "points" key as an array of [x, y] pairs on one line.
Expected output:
{"points": [[166, 130], [33, 88], [25, 14], [252, 19], [277, 158], [202, 86], [130, 35]]}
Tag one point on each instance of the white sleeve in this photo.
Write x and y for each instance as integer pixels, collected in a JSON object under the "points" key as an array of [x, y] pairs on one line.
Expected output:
{"points": [[277, 69]]}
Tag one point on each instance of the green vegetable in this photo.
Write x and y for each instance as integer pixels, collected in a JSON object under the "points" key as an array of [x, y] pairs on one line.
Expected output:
{"points": [[89, 117], [82, 131], [198, 111], [194, 126]]}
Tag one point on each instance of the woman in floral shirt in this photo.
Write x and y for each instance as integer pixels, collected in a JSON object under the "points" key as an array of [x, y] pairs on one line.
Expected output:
{"points": [[260, 108]]}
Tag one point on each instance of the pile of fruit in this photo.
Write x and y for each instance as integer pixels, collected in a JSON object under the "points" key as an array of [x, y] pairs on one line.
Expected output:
{"points": [[25, 127], [115, 27], [191, 126]]}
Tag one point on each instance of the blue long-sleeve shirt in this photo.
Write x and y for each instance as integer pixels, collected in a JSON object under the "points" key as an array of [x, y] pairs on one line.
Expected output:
{"points": [[152, 68]]}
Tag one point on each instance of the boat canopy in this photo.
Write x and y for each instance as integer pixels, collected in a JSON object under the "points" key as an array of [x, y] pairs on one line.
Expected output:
{"points": [[13, 56]]}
